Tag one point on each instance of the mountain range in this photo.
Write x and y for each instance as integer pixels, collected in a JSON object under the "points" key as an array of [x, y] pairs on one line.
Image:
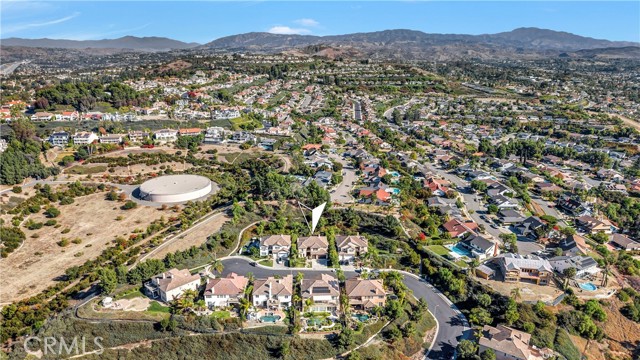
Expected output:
{"points": [[399, 43]]}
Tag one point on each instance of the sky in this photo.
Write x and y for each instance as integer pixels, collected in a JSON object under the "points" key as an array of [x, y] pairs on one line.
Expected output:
{"points": [[204, 21]]}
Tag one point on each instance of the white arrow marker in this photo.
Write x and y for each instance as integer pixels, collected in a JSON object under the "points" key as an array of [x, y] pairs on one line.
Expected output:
{"points": [[315, 216]]}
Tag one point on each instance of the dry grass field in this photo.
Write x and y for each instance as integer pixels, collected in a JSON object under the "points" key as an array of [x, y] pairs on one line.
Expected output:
{"points": [[89, 225]]}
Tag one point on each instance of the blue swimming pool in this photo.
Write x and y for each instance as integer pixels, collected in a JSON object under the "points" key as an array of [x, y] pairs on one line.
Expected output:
{"points": [[395, 191], [361, 317], [459, 250], [270, 318], [588, 287]]}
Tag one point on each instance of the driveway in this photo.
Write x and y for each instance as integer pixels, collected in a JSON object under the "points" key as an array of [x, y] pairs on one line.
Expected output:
{"points": [[453, 326], [342, 193]]}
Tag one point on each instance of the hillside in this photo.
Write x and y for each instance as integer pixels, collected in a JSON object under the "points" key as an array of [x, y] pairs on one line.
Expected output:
{"points": [[126, 42]]}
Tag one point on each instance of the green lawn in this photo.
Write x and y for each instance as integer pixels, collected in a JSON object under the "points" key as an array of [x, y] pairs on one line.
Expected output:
{"points": [[439, 249], [157, 307], [266, 262], [129, 294], [223, 314], [85, 170]]}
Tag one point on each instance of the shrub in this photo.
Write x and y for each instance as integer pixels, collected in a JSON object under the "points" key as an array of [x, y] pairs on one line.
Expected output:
{"points": [[52, 212], [129, 205], [17, 189]]}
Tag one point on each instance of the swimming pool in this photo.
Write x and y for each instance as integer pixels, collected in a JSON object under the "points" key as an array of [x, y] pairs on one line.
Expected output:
{"points": [[588, 286], [459, 250], [394, 173], [361, 317], [394, 191], [270, 318]]}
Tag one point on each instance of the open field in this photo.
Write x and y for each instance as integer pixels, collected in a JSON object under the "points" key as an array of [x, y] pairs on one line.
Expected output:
{"points": [[139, 308], [195, 237], [528, 292], [36, 264]]}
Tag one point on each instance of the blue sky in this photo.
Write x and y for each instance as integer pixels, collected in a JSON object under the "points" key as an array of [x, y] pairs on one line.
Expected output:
{"points": [[207, 20]]}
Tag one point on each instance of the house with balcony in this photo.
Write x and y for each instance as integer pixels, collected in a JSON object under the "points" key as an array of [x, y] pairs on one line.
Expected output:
{"points": [[480, 247], [351, 247], [60, 138], [84, 138], [225, 291], [166, 135], [273, 293], [525, 268], [115, 139], [170, 285], [321, 292], [313, 247], [365, 294], [584, 265], [510, 344], [276, 245]]}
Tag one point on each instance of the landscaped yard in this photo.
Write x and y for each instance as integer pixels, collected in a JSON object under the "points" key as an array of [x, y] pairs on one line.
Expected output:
{"points": [[155, 306], [84, 170], [439, 249], [222, 314], [266, 262]]}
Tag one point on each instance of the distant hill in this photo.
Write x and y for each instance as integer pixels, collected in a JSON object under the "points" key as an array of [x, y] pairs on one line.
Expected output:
{"points": [[126, 42], [412, 44], [628, 52]]}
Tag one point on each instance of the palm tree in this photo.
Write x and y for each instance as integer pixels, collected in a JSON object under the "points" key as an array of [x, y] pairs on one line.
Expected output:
{"points": [[515, 293], [217, 266], [201, 305], [243, 307]]}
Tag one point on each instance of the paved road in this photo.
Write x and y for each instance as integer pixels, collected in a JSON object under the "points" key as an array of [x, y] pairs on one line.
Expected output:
{"points": [[453, 327], [342, 193]]}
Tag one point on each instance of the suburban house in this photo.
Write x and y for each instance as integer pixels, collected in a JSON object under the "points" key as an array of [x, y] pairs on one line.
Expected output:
{"points": [[323, 291], [190, 132], [574, 245], [375, 195], [351, 246], [313, 247], [592, 225], [503, 202], [365, 294], [510, 344], [584, 265], [214, 135], [510, 216], [624, 243], [530, 226], [59, 139], [480, 247], [445, 206], [224, 291], [438, 187], [272, 293], [458, 228], [525, 268], [276, 245], [84, 138], [112, 139], [574, 206], [170, 285], [138, 136], [166, 135]]}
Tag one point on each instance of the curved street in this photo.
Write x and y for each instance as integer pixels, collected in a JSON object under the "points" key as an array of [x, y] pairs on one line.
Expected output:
{"points": [[452, 324]]}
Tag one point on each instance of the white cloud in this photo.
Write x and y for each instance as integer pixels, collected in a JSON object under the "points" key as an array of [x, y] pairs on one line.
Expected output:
{"points": [[307, 22], [286, 30], [20, 27]]}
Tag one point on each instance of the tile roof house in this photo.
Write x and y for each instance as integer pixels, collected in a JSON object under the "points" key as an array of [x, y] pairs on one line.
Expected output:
{"points": [[573, 206], [526, 268], [323, 290], [510, 344], [223, 291], [623, 242], [277, 245], [574, 245], [172, 284], [365, 294], [272, 293], [593, 225], [313, 247], [458, 228], [351, 246], [438, 187]]}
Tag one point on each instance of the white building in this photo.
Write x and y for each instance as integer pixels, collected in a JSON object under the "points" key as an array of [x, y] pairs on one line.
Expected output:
{"points": [[112, 139], [59, 139], [224, 291], [324, 292], [172, 284], [84, 138], [273, 293], [584, 265], [214, 135], [277, 245], [166, 135]]}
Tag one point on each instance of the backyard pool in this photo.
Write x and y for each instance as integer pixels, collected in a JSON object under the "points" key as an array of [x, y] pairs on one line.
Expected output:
{"points": [[588, 286], [459, 250], [394, 191], [270, 318], [361, 317]]}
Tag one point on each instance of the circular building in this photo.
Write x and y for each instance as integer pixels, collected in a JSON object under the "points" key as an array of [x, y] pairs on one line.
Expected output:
{"points": [[175, 188]]}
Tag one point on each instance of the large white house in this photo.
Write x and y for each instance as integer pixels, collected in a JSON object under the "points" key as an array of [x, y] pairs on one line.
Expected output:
{"points": [[273, 293], [166, 135], [223, 291], [276, 245], [84, 138], [584, 265], [171, 285], [59, 139]]}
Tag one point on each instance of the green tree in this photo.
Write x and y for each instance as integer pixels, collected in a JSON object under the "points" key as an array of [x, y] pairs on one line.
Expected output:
{"points": [[108, 280]]}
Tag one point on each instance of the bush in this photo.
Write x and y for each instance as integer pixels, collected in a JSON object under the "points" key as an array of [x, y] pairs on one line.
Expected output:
{"points": [[17, 189], [50, 222], [129, 205], [52, 212]]}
